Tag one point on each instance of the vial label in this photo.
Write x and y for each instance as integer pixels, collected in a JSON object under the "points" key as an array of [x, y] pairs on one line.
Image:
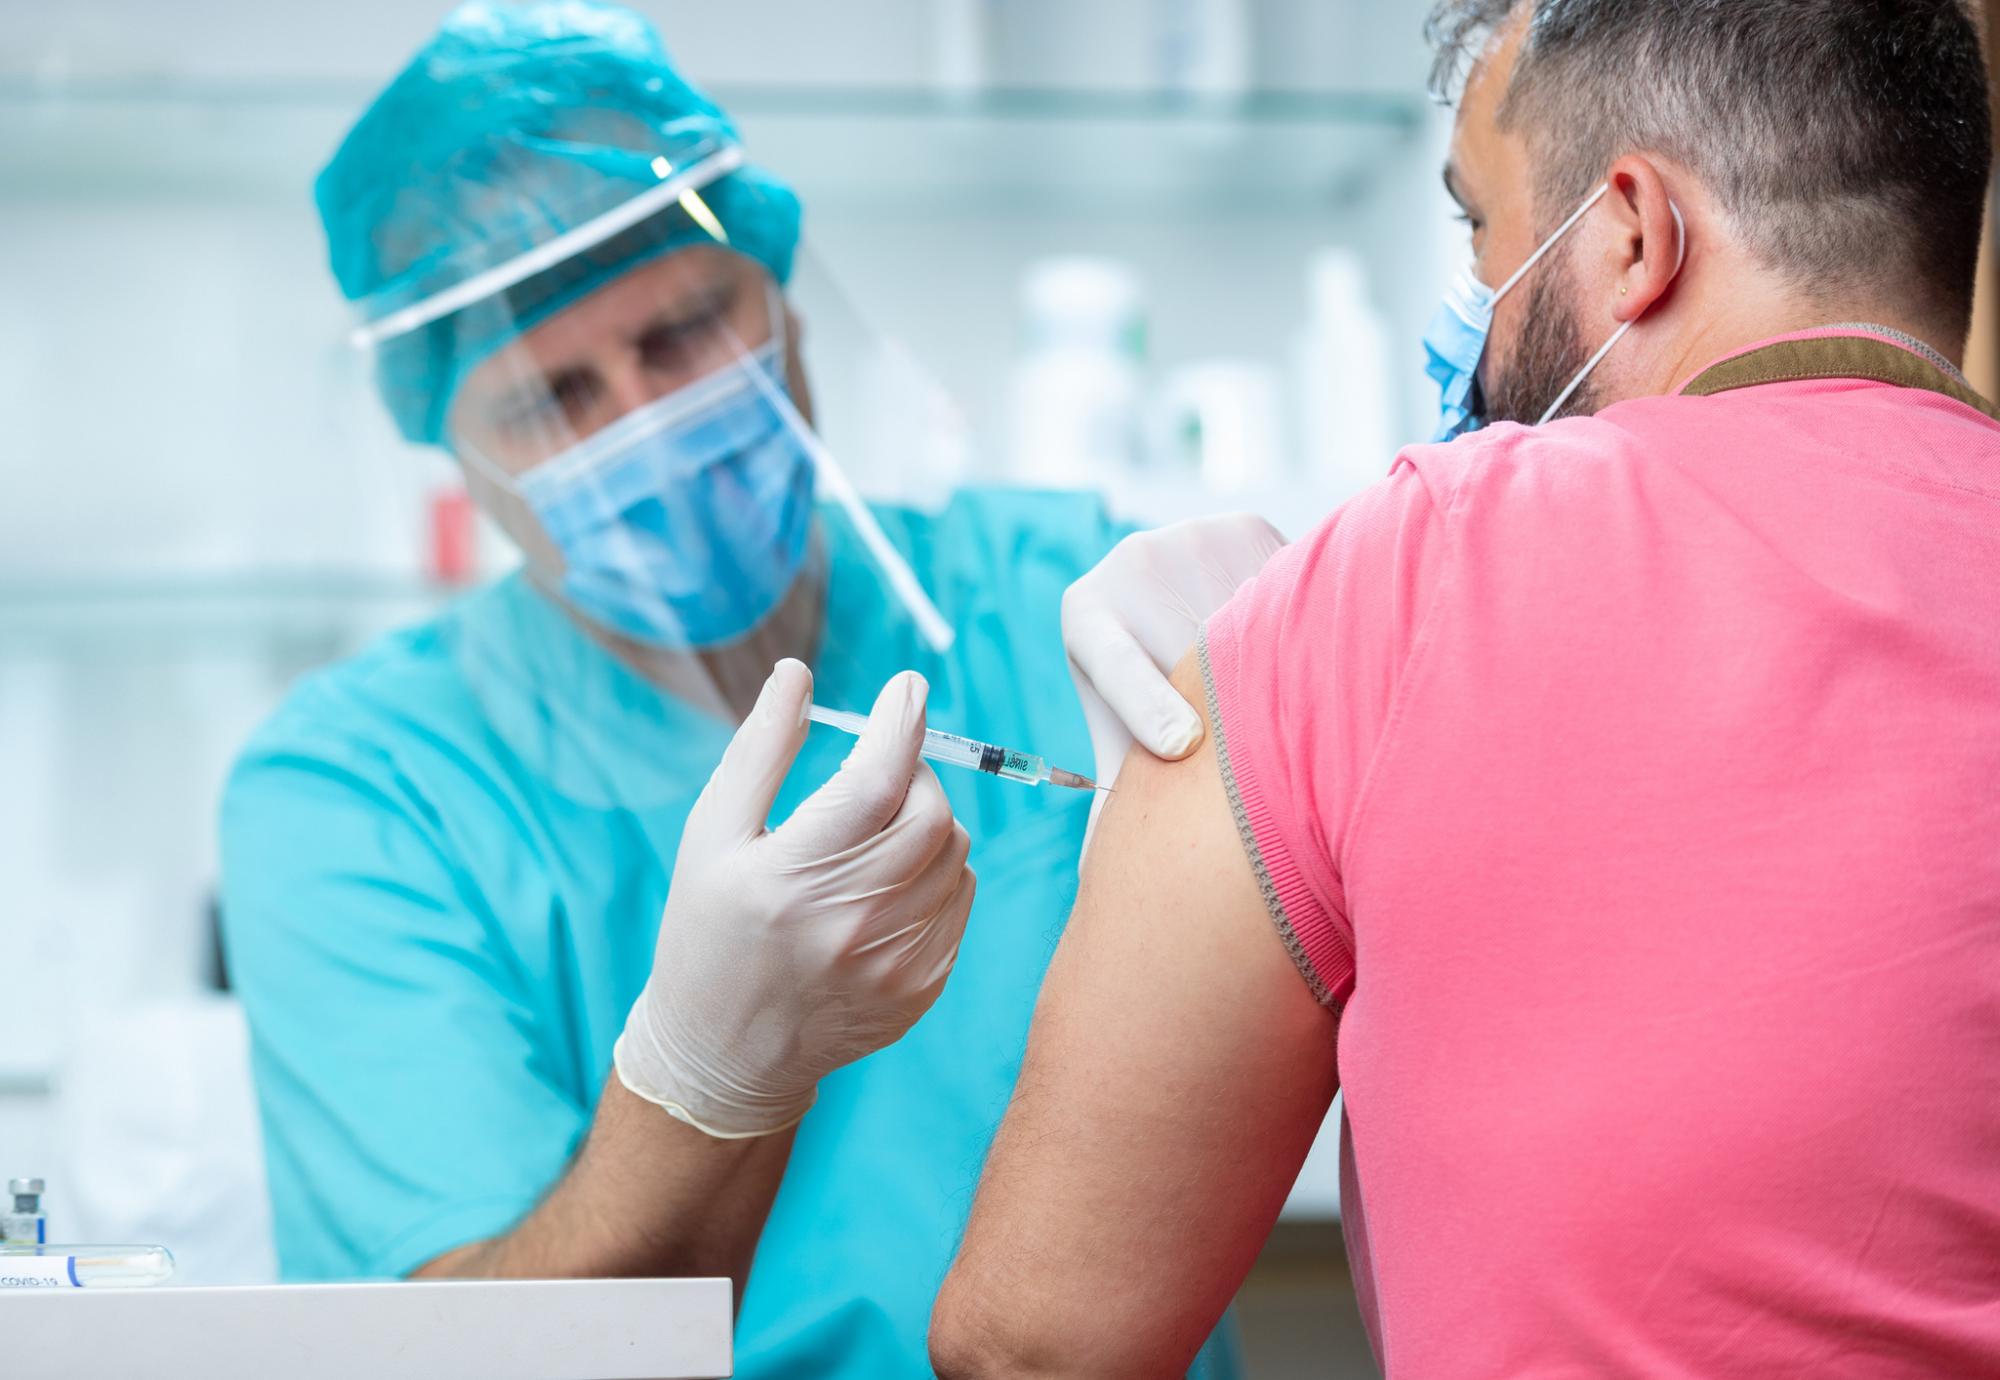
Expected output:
{"points": [[38, 1272], [23, 1229]]}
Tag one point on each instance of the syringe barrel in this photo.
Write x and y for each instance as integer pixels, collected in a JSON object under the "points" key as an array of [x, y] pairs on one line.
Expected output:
{"points": [[1022, 766], [953, 750], [990, 758]]}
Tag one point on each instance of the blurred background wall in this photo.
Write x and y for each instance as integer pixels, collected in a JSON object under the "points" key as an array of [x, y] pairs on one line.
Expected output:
{"points": [[1179, 249]]}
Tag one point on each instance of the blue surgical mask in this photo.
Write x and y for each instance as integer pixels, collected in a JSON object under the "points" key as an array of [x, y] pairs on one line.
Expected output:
{"points": [[1456, 340], [683, 523]]}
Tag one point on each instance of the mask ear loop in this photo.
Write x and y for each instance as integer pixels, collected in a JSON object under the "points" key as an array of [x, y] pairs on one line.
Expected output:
{"points": [[1551, 242], [1680, 261]]}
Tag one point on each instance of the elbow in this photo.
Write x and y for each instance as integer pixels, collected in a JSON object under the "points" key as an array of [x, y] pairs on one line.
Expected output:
{"points": [[980, 1333], [969, 1340], [955, 1357], [959, 1343]]}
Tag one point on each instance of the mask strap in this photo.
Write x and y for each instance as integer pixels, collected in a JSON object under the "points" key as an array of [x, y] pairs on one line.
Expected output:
{"points": [[1680, 261], [1552, 241]]}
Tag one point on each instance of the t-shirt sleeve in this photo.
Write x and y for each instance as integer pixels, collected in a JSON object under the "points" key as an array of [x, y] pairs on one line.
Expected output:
{"points": [[1302, 670], [408, 1106]]}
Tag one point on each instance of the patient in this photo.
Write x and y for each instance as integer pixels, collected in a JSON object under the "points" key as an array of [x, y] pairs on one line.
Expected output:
{"points": [[1611, 808]]}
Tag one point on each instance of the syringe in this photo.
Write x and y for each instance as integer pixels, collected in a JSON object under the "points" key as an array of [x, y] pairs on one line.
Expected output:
{"points": [[990, 758]]}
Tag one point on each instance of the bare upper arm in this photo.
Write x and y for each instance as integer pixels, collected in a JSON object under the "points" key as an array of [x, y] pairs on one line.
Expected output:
{"points": [[1176, 1073]]}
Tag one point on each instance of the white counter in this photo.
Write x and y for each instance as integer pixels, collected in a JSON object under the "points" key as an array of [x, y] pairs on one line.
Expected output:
{"points": [[677, 1329]]}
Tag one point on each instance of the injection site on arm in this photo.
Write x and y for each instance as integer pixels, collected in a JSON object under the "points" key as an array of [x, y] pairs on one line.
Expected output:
{"points": [[1139, 1170]]}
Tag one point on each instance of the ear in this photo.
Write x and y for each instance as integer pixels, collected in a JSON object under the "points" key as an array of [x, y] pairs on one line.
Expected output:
{"points": [[1647, 253]]}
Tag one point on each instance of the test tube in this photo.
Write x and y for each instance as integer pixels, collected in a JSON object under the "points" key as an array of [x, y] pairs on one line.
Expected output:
{"points": [[84, 1267]]}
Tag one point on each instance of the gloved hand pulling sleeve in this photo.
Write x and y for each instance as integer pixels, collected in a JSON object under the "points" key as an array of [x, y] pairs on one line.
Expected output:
{"points": [[787, 953], [1127, 624]]}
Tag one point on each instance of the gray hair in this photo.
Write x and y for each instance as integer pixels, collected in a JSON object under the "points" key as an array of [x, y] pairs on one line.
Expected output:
{"points": [[1848, 141]]}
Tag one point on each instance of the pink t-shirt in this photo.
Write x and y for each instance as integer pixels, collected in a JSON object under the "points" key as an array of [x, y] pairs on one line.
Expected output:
{"points": [[1632, 787]]}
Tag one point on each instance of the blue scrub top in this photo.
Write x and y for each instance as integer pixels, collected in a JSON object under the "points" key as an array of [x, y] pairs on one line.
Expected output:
{"points": [[444, 864]]}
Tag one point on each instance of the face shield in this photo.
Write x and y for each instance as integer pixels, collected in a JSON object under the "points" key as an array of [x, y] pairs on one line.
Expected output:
{"points": [[627, 399], [644, 449]]}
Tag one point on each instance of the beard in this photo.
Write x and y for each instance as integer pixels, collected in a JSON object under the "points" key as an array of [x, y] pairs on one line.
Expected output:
{"points": [[1548, 355]]}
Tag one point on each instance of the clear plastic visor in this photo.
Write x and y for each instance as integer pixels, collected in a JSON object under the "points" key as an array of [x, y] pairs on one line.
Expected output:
{"points": [[640, 422]]}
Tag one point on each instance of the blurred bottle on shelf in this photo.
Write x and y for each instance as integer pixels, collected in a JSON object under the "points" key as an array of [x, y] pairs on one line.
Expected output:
{"points": [[1102, 45], [1079, 388], [1202, 47], [1210, 48], [1216, 423], [1341, 380], [962, 33], [1333, 45], [913, 442]]}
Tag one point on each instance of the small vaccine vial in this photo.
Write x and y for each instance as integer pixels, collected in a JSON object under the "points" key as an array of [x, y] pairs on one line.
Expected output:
{"points": [[24, 1223]]}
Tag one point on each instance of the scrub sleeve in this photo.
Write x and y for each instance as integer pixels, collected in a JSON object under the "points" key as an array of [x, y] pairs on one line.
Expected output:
{"points": [[402, 1128]]}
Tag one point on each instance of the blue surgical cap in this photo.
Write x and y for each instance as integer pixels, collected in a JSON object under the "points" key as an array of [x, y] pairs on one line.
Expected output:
{"points": [[511, 127]]}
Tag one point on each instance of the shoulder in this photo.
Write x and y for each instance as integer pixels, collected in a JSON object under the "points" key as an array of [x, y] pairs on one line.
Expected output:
{"points": [[1513, 465], [1501, 525], [402, 677], [363, 718], [1505, 483]]}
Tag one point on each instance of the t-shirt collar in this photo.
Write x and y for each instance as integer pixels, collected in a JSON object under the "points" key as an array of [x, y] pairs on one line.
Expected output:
{"points": [[1888, 334]]}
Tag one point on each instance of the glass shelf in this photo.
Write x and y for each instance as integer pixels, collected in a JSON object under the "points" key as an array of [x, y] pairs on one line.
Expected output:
{"points": [[194, 611], [1091, 149], [909, 147]]}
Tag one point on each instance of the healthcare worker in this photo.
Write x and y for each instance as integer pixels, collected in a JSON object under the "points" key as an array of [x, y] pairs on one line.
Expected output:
{"points": [[552, 968]]}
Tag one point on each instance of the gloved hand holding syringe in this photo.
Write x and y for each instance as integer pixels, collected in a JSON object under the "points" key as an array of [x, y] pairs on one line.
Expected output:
{"points": [[784, 954], [955, 751]]}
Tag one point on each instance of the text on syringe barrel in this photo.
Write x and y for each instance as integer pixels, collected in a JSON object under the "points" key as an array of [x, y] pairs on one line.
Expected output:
{"points": [[987, 757], [951, 747]]}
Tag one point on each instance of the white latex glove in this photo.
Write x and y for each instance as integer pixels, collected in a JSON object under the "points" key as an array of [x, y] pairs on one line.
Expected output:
{"points": [[1127, 624], [787, 953]]}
